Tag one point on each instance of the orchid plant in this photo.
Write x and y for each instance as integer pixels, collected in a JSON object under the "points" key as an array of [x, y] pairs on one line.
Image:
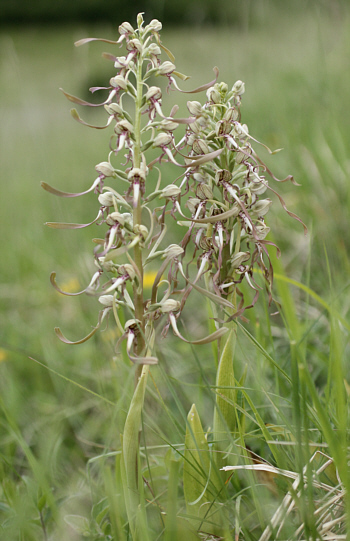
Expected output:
{"points": [[216, 198]]}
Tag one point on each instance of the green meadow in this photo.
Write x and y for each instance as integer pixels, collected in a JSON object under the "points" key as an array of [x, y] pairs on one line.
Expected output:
{"points": [[63, 408]]}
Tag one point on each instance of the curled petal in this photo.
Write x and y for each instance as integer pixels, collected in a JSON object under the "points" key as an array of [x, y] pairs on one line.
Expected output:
{"points": [[210, 219], [208, 294], [122, 250], [62, 225], [166, 50], [142, 360], [76, 117], [95, 88], [109, 56], [199, 88], [210, 338], [87, 40], [196, 160], [181, 76], [204, 158], [54, 284], [101, 317], [79, 101], [291, 214], [54, 191], [135, 358]]}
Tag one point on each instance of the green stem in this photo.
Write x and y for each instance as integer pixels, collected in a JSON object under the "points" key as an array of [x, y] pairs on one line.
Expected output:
{"points": [[138, 292]]}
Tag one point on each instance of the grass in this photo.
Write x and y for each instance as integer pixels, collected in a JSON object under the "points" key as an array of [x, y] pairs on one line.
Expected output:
{"points": [[61, 419]]}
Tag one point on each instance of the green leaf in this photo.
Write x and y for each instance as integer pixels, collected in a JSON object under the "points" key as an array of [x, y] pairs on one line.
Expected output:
{"points": [[197, 464], [130, 453], [200, 479], [225, 411]]}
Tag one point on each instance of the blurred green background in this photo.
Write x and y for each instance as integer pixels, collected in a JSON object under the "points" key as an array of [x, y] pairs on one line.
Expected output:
{"points": [[293, 57]]}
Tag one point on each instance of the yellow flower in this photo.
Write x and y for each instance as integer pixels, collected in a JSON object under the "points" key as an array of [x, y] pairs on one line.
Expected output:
{"points": [[71, 285], [148, 279], [3, 355]]}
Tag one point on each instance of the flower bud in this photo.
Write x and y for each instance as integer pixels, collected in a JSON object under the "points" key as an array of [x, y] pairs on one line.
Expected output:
{"points": [[173, 250], [106, 199], [105, 169], [239, 258], [258, 188], [139, 19], [123, 126], [200, 147], [222, 87], [203, 191], [132, 324], [196, 128], [113, 109], [260, 208], [191, 138], [243, 154], [154, 92], [170, 305], [201, 177], [141, 230], [154, 49], [166, 68], [107, 265], [223, 127], [231, 114], [238, 88], [117, 217], [118, 82], [134, 44], [106, 300], [168, 125], [223, 175], [262, 231], [237, 129], [195, 108], [154, 26], [206, 243], [127, 269], [125, 28], [162, 139], [120, 62], [242, 269], [170, 191], [213, 95], [192, 204]]}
